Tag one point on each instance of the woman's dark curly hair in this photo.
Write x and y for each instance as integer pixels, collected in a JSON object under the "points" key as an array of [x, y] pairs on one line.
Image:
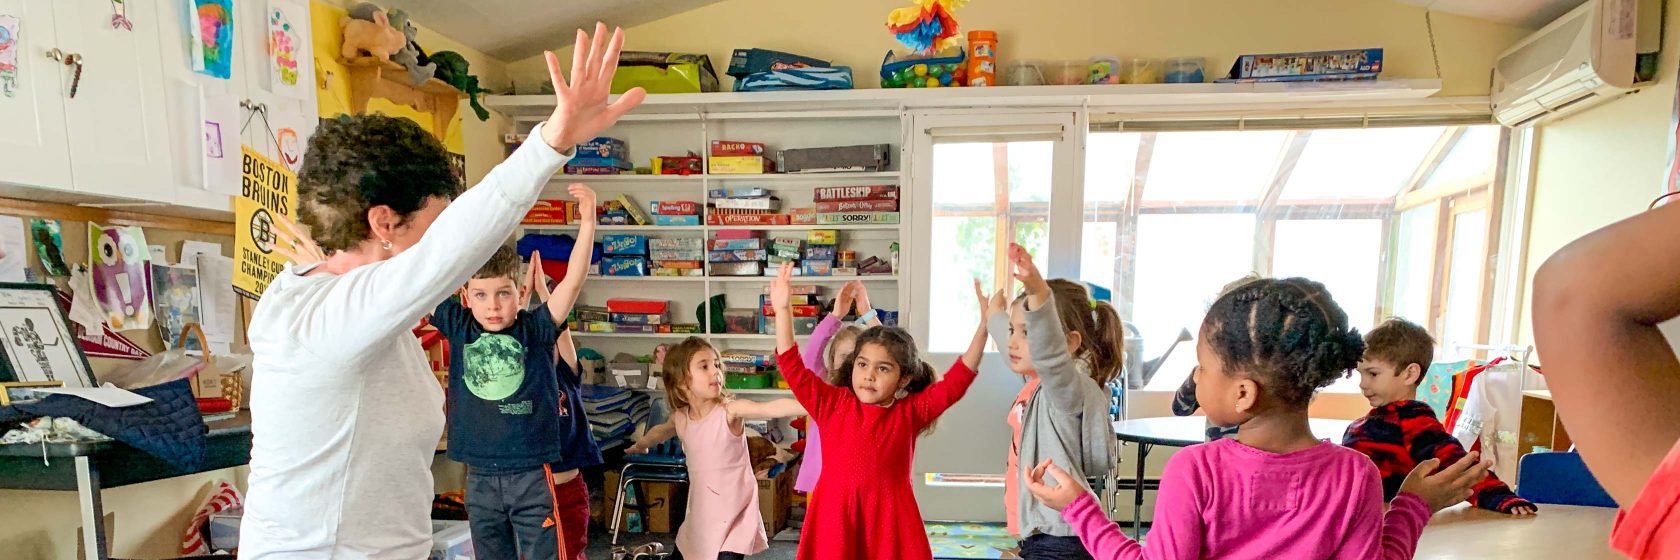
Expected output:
{"points": [[1288, 334], [355, 163]]}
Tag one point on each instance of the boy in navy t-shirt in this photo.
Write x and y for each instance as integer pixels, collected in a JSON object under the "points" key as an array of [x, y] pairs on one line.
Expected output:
{"points": [[515, 415]]}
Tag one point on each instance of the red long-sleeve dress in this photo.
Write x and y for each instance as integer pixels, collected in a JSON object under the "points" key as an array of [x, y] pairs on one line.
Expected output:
{"points": [[863, 506]]}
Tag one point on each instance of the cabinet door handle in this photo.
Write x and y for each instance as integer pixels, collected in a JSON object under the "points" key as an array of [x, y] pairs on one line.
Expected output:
{"points": [[69, 59]]}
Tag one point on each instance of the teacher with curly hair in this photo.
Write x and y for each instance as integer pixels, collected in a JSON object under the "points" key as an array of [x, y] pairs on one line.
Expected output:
{"points": [[345, 411]]}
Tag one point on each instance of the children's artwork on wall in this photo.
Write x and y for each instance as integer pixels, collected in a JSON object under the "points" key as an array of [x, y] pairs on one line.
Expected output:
{"points": [[49, 246], [8, 55], [14, 249], [120, 263], [36, 338], [119, 16], [291, 135], [289, 49], [211, 27], [176, 291], [221, 142]]}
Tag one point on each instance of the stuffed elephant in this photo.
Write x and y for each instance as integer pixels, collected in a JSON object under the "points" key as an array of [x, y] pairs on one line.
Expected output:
{"points": [[419, 70], [372, 35], [452, 69]]}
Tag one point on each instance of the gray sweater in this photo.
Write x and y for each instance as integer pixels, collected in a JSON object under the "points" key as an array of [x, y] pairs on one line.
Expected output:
{"points": [[1065, 421]]}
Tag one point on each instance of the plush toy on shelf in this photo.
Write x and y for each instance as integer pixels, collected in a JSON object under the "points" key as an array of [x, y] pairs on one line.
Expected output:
{"points": [[410, 56], [368, 32], [928, 26], [452, 69]]}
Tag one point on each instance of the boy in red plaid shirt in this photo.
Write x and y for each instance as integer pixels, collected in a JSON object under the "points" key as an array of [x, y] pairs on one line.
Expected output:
{"points": [[1401, 431]]}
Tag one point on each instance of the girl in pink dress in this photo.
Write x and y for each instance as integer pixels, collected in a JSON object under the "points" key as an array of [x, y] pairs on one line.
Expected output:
{"points": [[723, 521]]}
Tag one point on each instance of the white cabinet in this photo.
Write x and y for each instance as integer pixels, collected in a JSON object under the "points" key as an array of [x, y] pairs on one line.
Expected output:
{"points": [[118, 139], [32, 143]]}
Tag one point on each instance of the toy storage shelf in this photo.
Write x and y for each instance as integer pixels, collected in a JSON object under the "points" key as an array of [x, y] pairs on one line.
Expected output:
{"points": [[868, 103], [804, 279], [777, 178]]}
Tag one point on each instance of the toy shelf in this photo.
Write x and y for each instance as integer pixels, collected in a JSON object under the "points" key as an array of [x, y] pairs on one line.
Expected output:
{"points": [[372, 77]]}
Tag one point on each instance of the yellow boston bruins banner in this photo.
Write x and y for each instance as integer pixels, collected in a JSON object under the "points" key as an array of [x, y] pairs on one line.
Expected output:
{"points": [[267, 190]]}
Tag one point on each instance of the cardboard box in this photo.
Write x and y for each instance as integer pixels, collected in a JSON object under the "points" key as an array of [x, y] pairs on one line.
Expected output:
{"points": [[664, 255], [634, 210], [603, 147], [630, 305], [802, 326], [741, 321], [878, 205], [737, 256], [641, 318], [744, 192], [677, 244], [676, 220], [872, 157], [689, 264], [747, 358], [749, 219], [822, 252], [751, 268], [550, 213], [579, 169], [769, 203], [686, 328], [660, 270], [734, 148], [823, 237], [737, 244], [798, 311], [625, 245], [679, 207], [885, 218], [803, 216], [624, 266], [735, 234], [620, 164], [678, 165], [841, 194], [666, 501], [775, 501], [818, 268], [741, 165]]}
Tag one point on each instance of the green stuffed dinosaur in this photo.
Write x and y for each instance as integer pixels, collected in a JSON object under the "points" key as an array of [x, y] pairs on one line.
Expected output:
{"points": [[452, 69]]}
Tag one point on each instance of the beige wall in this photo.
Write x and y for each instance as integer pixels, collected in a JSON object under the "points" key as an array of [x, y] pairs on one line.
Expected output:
{"points": [[853, 33], [1599, 166]]}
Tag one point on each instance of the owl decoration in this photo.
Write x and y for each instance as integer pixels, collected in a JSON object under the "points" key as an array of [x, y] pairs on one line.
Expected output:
{"points": [[120, 263]]}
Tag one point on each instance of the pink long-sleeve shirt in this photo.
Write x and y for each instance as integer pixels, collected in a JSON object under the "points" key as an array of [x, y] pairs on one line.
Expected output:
{"points": [[1231, 501]]}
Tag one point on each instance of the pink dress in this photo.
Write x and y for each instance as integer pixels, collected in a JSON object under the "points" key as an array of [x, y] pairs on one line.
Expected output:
{"points": [[722, 491]]}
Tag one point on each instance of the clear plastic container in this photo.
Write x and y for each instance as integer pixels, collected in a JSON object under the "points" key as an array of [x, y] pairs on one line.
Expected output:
{"points": [[1024, 73], [1144, 71], [1185, 70], [1105, 70], [1065, 72]]}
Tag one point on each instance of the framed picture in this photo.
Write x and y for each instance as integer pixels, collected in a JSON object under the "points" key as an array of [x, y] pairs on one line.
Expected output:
{"points": [[36, 338], [23, 391]]}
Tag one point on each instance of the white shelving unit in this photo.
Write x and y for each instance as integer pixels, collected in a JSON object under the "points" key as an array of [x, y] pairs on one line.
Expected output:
{"points": [[653, 131]]}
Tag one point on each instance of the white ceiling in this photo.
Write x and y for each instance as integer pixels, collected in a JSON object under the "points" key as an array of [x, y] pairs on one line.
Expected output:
{"points": [[1524, 13], [510, 30], [515, 29]]}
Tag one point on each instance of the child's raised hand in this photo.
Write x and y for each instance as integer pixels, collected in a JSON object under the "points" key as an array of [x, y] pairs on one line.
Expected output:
{"points": [[1452, 485], [534, 279], [1058, 497], [1027, 272], [781, 289], [843, 303], [862, 304], [586, 199]]}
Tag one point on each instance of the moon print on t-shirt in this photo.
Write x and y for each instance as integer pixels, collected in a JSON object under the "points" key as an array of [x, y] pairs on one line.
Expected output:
{"points": [[495, 366]]}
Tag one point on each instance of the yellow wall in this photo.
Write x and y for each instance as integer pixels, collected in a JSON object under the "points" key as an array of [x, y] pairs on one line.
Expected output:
{"points": [[1599, 166], [853, 33], [480, 141]]}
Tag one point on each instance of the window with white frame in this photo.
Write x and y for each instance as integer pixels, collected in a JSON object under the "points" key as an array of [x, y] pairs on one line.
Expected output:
{"points": [[1395, 221]]}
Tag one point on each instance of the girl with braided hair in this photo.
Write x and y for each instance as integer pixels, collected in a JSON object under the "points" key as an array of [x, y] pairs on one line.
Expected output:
{"points": [[1274, 490]]}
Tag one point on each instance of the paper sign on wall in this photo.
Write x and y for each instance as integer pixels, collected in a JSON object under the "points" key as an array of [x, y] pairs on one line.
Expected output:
{"points": [[289, 60], [8, 55], [266, 192], [14, 249], [120, 265]]}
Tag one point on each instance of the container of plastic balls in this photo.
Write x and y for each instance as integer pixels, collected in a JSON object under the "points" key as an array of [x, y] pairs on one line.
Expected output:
{"points": [[944, 69]]}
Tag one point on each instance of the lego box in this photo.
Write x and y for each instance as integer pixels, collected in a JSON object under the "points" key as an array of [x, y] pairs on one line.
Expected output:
{"points": [[604, 148]]}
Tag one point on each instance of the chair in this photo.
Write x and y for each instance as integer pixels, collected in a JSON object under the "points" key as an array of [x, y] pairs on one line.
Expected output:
{"points": [[664, 463], [1560, 478]]}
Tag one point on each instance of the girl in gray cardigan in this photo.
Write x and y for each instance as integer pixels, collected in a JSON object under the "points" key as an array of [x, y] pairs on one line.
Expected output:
{"points": [[1068, 348]]}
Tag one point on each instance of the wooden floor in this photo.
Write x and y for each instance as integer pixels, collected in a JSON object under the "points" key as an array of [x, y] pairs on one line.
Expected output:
{"points": [[1560, 532]]}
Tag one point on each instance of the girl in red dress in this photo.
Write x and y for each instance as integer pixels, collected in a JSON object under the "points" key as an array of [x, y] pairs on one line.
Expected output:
{"points": [[885, 397]]}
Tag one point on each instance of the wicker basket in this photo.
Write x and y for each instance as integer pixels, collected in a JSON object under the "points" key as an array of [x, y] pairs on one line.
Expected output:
{"points": [[230, 384]]}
